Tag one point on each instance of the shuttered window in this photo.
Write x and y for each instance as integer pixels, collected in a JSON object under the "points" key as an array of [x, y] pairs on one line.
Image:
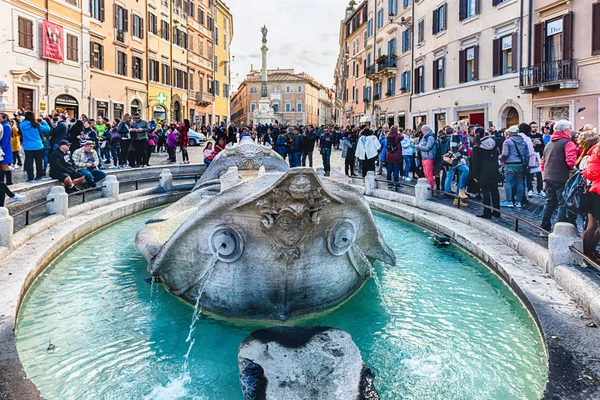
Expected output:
{"points": [[595, 29], [504, 55], [468, 64], [121, 63], [419, 79], [440, 19], [25, 33], [468, 8], [72, 48]]}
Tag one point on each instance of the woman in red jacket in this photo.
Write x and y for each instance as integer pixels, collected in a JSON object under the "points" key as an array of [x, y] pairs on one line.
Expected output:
{"points": [[592, 173], [182, 140]]}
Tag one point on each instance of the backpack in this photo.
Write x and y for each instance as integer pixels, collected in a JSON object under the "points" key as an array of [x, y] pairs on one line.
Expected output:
{"points": [[574, 191], [391, 146]]}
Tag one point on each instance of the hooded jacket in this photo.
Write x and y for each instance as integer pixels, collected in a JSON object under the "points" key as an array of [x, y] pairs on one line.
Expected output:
{"points": [[31, 136], [509, 151], [592, 171], [396, 156], [427, 146], [484, 162]]}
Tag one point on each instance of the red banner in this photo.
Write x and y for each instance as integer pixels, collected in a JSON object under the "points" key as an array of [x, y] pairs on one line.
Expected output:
{"points": [[53, 41]]}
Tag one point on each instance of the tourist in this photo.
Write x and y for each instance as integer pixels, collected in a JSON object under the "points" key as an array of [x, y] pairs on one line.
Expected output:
{"points": [[393, 157], [172, 144], [47, 147], [230, 136], [308, 145], [325, 145], [427, 147], [546, 135], [537, 141], [208, 153], [220, 146], [32, 129], [5, 191], [161, 133], [367, 150], [281, 146], [485, 171], [59, 132], [115, 143], [6, 153], [515, 155], [152, 139], [63, 170], [349, 153], [461, 151], [139, 130], [383, 132], [73, 135], [590, 166], [408, 150], [86, 161], [183, 141], [560, 157], [124, 128], [15, 142], [296, 149]]}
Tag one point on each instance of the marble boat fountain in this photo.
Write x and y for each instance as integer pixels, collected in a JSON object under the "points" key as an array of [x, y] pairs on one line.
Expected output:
{"points": [[257, 240]]}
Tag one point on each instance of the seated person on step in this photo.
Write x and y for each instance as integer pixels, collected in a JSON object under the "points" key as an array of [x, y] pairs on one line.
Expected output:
{"points": [[61, 168], [86, 161]]}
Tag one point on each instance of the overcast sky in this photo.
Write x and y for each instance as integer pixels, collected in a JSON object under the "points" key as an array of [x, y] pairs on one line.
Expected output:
{"points": [[303, 34]]}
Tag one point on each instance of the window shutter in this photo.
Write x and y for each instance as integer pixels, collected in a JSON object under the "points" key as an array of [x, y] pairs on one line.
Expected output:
{"points": [[462, 66], [568, 36], [434, 25], [596, 32], [435, 75], [446, 16], [539, 42], [477, 6], [515, 52], [101, 63], [462, 9], [141, 28], [125, 20], [417, 80], [476, 62], [101, 10], [497, 57], [116, 15]]}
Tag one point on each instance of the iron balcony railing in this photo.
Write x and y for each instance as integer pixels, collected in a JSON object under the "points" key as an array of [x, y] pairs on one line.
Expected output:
{"points": [[549, 73], [388, 63]]}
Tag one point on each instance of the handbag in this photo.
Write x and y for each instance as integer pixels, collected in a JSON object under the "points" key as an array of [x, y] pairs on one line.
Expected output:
{"points": [[449, 158], [574, 191], [526, 168]]}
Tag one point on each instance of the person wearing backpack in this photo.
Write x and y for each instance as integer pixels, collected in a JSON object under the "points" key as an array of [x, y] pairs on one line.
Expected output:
{"points": [[515, 155], [393, 157]]}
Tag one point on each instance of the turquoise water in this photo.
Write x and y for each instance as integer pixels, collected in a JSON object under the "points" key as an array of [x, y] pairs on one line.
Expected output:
{"points": [[445, 328]]}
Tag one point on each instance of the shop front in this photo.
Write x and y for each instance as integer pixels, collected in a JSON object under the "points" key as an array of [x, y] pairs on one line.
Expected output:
{"points": [[68, 104], [101, 108], [118, 110]]}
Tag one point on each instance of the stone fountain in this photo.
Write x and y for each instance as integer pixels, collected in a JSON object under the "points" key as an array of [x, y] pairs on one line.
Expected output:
{"points": [[257, 240]]}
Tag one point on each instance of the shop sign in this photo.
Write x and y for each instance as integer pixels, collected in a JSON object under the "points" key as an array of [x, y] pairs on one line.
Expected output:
{"points": [[101, 104], [52, 41]]}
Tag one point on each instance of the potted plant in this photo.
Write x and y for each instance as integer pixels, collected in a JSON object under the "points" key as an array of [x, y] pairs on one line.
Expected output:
{"points": [[389, 94], [393, 56], [381, 58], [375, 97]]}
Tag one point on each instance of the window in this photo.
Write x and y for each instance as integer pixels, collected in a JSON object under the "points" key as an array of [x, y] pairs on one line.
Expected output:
{"points": [[420, 79], [596, 31], [439, 19], [406, 3], [288, 107], [121, 63], [469, 64], [287, 89], [299, 106], [216, 36], [380, 18], [211, 23], [275, 108], [377, 95], [97, 55], [225, 68], [370, 27], [367, 94], [152, 23], [421, 32], [72, 48], [252, 90], [25, 33], [405, 82], [438, 73], [201, 16], [225, 90], [164, 30], [392, 7], [137, 26], [136, 67], [299, 89], [468, 8], [405, 41], [191, 9], [391, 47], [252, 107], [166, 74], [97, 9], [503, 60], [217, 88], [121, 18], [153, 70], [391, 86]]}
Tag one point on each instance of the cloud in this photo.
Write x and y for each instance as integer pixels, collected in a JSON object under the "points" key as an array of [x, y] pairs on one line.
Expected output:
{"points": [[303, 34]]}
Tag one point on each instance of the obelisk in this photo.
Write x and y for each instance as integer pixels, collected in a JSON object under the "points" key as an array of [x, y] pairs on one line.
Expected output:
{"points": [[264, 114]]}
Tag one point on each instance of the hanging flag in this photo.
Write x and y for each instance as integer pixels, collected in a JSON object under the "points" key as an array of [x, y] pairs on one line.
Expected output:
{"points": [[53, 41]]}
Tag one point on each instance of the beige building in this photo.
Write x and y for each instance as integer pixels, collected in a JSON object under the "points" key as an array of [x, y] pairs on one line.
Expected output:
{"points": [[295, 98], [562, 70], [466, 63], [355, 95]]}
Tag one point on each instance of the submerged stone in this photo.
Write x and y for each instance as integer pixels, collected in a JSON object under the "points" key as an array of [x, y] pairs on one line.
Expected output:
{"points": [[303, 363]]}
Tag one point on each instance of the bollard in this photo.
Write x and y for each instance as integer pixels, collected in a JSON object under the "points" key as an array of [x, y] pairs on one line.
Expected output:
{"points": [[110, 187], [370, 183], [563, 236], [6, 228], [60, 205], [422, 191], [230, 178], [166, 180]]}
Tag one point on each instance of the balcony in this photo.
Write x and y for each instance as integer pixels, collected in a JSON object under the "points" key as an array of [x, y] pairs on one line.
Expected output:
{"points": [[549, 76], [384, 67], [201, 98]]}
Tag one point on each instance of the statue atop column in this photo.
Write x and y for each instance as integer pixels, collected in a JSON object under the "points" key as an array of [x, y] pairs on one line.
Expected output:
{"points": [[264, 33], [264, 114], [264, 92]]}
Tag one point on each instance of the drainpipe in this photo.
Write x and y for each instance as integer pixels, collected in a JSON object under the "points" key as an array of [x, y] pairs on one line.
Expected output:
{"points": [[47, 68], [373, 123], [520, 56], [149, 115], [529, 30], [412, 62]]}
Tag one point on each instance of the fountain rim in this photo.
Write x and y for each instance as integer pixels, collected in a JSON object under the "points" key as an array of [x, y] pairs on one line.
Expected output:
{"points": [[73, 230]]}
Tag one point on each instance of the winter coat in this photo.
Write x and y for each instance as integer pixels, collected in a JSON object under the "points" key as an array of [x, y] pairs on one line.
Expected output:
{"points": [[16, 139], [592, 171], [367, 147], [427, 146], [59, 132], [281, 145], [396, 156], [58, 164], [407, 148], [172, 139], [509, 150], [484, 162], [5, 145], [32, 139]]}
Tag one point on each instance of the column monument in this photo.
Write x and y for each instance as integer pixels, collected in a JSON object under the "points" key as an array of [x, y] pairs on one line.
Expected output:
{"points": [[264, 114]]}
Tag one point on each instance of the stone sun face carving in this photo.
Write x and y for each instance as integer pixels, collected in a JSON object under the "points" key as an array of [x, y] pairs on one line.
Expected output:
{"points": [[277, 246]]}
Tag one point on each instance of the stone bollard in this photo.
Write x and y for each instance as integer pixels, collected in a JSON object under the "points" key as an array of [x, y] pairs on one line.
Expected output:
{"points": [[422, 191], [166, 180], [563, 236], [110, 187], [60, 205], [370, 183], [6, 228], [230, 178]]}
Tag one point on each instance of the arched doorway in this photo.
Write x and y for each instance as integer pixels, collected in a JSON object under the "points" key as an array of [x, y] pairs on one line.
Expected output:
{"points": [[136, 106], [511, 117], [177, 111], [159, 112], [67, 103]]}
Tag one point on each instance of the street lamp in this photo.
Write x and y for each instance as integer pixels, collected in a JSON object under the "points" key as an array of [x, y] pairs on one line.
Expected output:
{"points": [[403, 21]]}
